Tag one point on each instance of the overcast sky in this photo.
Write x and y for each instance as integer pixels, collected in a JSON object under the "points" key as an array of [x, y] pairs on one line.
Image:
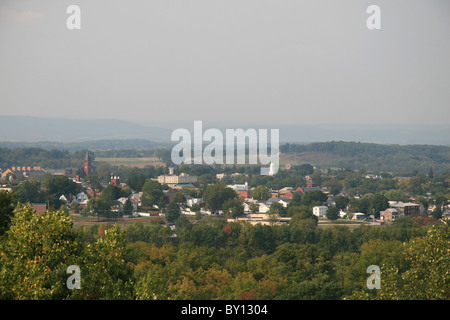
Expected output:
{"points": [[254, 61]]}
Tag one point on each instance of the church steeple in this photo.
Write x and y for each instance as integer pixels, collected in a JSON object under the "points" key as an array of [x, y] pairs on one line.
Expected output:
{"points": [[87, 164]]}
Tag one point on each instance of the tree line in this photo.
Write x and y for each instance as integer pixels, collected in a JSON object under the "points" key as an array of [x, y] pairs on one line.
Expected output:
{"points": [[215, 259]]}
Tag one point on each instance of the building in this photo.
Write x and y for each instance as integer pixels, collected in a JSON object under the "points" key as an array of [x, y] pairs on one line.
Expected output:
{"points": [[241, 189], [405, 208], [115, 181], [25, 171], [6, 188], [320, 211], [283, 201], [261, 218], [310, 186], [173, 180], [190, 201], [390, 214], [358, 216], [88, 164], [39, 207]]}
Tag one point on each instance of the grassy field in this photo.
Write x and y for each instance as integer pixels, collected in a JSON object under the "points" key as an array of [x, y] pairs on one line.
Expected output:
{"points": [[131, 162], [313, 158], [80, 221]]}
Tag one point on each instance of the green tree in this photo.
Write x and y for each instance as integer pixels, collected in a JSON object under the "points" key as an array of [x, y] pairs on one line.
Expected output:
{"points": [[60, 185], [35, 254], [29, 191], [233, 207], [128, 208], [98, 207], [105, 275], [173, 211], [314, 198], [277, 208], [216, 195], [333, 185], [379, 203], [7, 205], [332, 213], [195, 207], [180, 199], [342, 202], [152, 192], [296, 200], [260, 193], [437, 213], [421, 273], [110, 194]]}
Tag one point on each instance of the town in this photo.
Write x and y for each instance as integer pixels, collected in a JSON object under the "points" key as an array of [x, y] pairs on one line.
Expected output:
{"points": [[206, 195], [156, 230]]}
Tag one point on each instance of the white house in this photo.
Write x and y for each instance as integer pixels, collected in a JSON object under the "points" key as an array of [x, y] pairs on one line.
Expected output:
{"points": [[283, 201], [82, 197], [190, 201], [320, 211], [342, 214], [263, 207], [358, 216]]}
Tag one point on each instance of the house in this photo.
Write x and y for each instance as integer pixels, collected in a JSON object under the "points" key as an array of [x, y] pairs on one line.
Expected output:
{"points": [[390, 214], [320, 211], [310, 186], [261, 218], [290, 193], [358, 216], [406, 208], [82, 197], [220, 176], [172, 180], [22, 170], [6, 188], [343, 214], [283, 201], [115, 181], [190, 201], [135, 198], [65, 199], [39, 207], [241, 189], [263, 207]]}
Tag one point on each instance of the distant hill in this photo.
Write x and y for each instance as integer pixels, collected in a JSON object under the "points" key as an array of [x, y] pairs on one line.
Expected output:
{"points": [[93, 145], [33, 129], [369, 156], [51, 130]]}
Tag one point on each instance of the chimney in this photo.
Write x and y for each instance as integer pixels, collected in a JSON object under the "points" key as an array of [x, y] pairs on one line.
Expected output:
{"points": [[13, 168]]}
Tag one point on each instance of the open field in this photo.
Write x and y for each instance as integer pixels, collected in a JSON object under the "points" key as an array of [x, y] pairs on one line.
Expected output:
{"points": [[313, 158], [80, 221], [345, 223], [131, 162]]}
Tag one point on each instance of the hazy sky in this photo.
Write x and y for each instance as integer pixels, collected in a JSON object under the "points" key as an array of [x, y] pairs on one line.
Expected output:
{"points": [[257, 61]]}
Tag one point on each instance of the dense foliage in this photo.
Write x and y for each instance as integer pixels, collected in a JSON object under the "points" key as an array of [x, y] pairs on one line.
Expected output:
{"points": [[214, 259]]}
